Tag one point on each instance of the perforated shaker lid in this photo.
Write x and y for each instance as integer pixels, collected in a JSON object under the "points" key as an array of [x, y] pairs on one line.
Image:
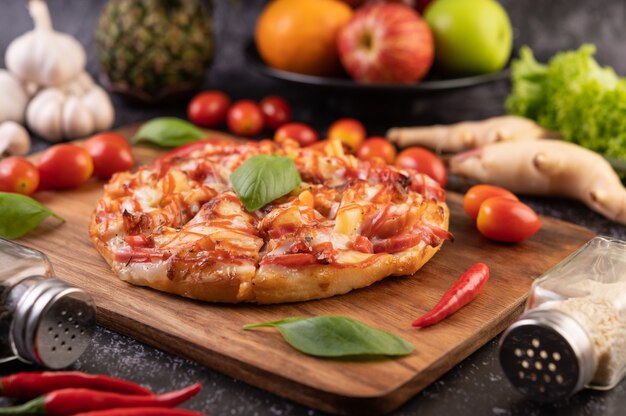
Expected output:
{"points": [[53, 323], [547, 355]]}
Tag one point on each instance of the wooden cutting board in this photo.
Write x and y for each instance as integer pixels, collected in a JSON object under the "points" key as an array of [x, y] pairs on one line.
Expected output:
{"points": [[211, 334]]}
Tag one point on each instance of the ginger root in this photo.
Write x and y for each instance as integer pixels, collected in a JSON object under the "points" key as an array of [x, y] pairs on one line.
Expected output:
{"points": [[547, 167], [470, 134]]}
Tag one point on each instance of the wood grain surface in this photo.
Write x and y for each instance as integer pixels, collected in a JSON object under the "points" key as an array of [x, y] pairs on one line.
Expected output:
{"points": [[211, 333]]}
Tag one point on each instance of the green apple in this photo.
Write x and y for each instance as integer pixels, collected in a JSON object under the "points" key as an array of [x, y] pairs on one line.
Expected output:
{"points": [[471, 36]]}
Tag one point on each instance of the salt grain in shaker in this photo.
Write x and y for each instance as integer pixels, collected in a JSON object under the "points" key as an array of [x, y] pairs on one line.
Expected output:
{"points": [[42, 319], [573, 332]]}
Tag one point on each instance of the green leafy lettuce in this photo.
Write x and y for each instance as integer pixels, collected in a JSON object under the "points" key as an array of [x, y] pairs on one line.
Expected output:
{"points": [[574, 95]]}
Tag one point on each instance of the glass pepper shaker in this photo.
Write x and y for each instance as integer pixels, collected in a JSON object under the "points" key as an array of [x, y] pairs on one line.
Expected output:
{"points": [[572, 334], [42, 319]]}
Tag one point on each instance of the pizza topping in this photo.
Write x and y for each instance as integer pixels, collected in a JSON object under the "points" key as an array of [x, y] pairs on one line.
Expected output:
{"points": [[362, 244], [397, 243], [427, 186], [391, 220], [139, 240], [263, 178], [139, 254]]}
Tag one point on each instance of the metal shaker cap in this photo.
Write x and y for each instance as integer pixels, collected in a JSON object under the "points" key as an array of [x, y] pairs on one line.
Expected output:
{"points": [[547, 355], [53, 323]]}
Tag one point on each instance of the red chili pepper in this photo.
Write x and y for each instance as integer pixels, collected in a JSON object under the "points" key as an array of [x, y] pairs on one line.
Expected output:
{"points": [[28, 385], [142, 411], [71, 401], [466, 288]]}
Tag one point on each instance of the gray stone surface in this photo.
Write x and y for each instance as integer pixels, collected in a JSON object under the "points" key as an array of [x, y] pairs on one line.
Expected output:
{"points": [[477, 385]]}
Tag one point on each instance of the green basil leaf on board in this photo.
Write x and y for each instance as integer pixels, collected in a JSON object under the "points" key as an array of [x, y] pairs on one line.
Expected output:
{"points": [[263, 178], [20, 214], [337, 336], [168, 132]]}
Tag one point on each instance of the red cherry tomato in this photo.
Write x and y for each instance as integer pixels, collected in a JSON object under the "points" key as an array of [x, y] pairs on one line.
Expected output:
{"points": [[276, 111], [18, 175], [348, 130], [245, 118], [475, 196], [423, 161], [377, 147], [110, 153], [300, 132], [115, 138], [208, 109], [64, 166], [507, 220]]}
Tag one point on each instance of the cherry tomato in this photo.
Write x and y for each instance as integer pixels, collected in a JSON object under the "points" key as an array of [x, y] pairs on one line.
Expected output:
{"points": [[64, 166], [18, 175], [245, 118], [423, 161], [110, 153], [300, 132], [377, 147], [208, 109], [475, 196], [276, 111], [349, 131], [507, 220], [115, 138]]}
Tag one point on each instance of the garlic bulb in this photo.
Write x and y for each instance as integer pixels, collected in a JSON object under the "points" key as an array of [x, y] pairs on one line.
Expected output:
{"points": [[42, 55], [14, 139], [13, 98], [76, 109]]}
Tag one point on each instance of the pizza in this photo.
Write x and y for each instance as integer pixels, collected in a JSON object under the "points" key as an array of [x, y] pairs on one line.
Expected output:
{"points": [[178, 226]]}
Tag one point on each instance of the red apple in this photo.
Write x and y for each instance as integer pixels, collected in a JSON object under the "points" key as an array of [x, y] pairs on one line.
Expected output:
{"points": [[386, 43]]}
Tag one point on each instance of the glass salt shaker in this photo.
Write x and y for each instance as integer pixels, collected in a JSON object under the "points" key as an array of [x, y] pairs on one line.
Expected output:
{"points": [[42, 319], [572, 334]]}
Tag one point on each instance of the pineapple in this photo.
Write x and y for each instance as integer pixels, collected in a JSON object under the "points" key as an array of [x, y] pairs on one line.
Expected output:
{"points": [[154, 49]]}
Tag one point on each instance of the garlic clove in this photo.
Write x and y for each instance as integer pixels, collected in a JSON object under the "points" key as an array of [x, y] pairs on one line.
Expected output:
{"points": [[13, 98], [77, 121], [98, 103], [44, 112], [14, 139]]}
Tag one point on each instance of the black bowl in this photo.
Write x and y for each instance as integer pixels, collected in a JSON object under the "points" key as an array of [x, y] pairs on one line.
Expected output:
{"points": [[432, 83], [433, 100]]}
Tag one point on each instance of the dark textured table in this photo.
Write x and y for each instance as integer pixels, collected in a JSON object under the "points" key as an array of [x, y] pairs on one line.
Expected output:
{"points": [[476, 386]]}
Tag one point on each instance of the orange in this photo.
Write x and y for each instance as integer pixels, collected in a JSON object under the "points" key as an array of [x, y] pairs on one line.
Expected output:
{"points": [[300, 35]]}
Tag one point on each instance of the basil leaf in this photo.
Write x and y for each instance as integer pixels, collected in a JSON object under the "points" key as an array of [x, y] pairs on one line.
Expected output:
{"points": [[20, 214], [263, 178], [273, 324], [337, 336], [168, 132]]}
